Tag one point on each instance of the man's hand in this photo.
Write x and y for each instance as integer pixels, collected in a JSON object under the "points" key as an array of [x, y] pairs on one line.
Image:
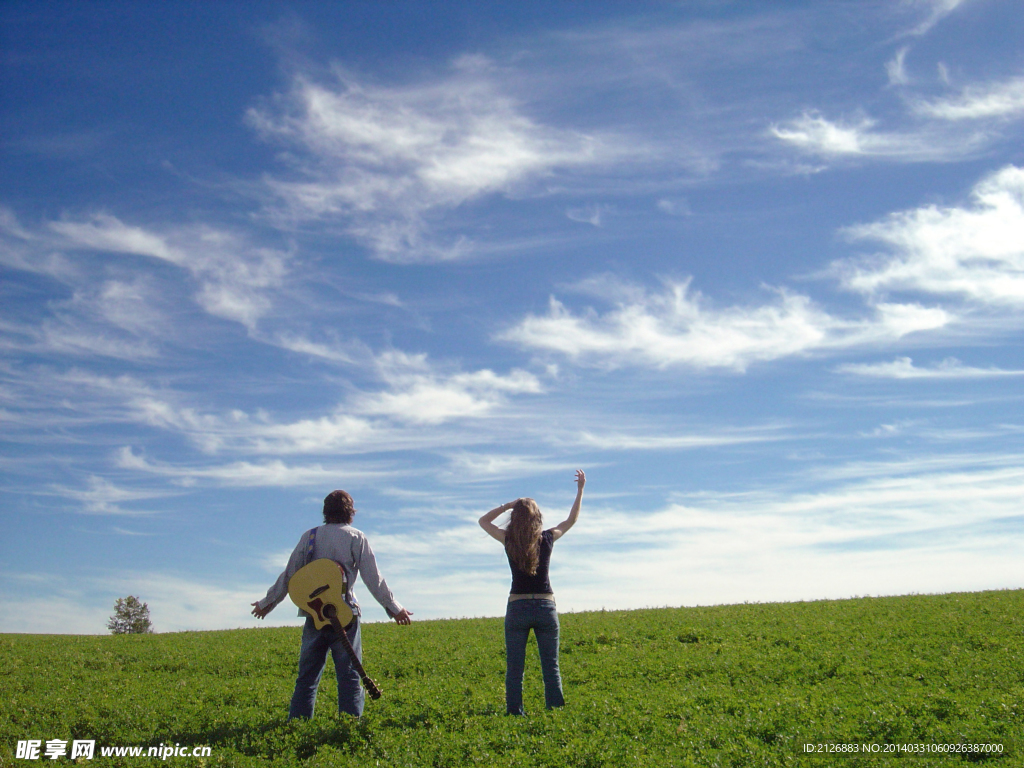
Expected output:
{"points": [[258, 612], [402, 617]]}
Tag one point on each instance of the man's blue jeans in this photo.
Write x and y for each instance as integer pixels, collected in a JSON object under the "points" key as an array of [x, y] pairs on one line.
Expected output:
{"points": [[313, 657], [520, 617]]}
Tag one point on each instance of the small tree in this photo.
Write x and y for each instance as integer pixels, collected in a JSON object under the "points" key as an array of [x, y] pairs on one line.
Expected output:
{"points": [[131, 617]]}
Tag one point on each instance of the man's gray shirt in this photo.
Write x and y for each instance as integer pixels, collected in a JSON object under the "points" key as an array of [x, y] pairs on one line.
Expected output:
{"points": [[349, 547]]}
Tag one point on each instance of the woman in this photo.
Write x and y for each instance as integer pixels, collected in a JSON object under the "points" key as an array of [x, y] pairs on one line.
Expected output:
{"points": [[531, 603]]}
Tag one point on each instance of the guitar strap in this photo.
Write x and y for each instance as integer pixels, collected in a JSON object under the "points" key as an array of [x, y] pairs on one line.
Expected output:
{"points": [[309, 546]]}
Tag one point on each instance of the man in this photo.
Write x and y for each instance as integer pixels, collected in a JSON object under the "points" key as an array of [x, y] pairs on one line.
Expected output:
{"points": [[336, 540]]}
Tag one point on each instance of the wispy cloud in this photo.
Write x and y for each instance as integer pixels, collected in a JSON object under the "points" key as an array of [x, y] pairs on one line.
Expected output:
{"points": [[479, 466], [814, 134], [414, 394], [334, 350], [762, 546], [978, 102], [260, 474], [9, 225], [102, 497], [896, 68], [121, 319], [677, 327], [935, 11], [674, 206], [234, 275], [617, 441], [974, 251], [419, 394], [904, 368], [383, 159], [891, 430], [68, 336], [588, 214]]}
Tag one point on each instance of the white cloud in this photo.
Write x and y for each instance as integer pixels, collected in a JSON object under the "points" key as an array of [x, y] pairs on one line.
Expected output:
{"points": [[275, 562], [69, 336], [615, 441], [179, 603], [904, 368], [871, 509], [116, 318], [674, 206], [10, 225], [419, 395], [588, 214], [415, 395], [936, 11], [259, 432], [63, 616], [679, 328], [891, 534], [263, 474], [102, 497], [896, 68], [234, 275], [20, 250], [890, 430], [384, 159], [814, 134], [477, 466], [126, 399], [976, 251], [992, 100], [334, 351]]}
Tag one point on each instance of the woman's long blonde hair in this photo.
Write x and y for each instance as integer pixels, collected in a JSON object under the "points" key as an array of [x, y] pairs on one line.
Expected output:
{"points": [[522, 537]]}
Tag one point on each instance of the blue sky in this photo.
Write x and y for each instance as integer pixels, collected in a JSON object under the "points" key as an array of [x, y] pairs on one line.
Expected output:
{"points": [[757, 268]]}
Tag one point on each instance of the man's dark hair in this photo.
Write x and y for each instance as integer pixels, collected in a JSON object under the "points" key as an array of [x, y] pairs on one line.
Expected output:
{"points": [[338, 507]]}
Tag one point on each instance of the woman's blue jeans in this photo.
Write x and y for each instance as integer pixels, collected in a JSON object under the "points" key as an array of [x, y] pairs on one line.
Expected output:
{"points": [[313, 657], [520, 617]]}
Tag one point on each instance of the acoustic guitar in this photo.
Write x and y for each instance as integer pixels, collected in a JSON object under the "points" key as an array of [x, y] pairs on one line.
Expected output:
{"points": [[318, 589]]}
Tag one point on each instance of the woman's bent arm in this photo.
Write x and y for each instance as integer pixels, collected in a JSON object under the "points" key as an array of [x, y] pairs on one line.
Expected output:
{"points": [[560, 529], [487, 521]]}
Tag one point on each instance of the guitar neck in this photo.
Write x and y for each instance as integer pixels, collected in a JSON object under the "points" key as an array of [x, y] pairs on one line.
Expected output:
{"points": [[371, 687]]}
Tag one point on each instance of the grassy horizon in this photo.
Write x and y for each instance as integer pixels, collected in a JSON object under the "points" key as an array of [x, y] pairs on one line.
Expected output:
{"points": [[727, 685]]}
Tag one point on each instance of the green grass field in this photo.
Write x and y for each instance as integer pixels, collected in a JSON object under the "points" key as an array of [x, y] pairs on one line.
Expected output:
{"points": [[743, 685]]}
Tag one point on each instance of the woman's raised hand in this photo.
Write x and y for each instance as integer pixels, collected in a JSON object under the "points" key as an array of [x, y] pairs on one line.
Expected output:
{"points": [[581, 479]]}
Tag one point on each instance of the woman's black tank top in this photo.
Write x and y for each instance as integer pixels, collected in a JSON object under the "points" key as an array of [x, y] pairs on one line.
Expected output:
{"points": [[525, 584]]}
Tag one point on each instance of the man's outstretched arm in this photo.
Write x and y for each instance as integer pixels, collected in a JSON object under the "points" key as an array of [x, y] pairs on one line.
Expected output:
{"points": [[279, 590], [366, 564]]}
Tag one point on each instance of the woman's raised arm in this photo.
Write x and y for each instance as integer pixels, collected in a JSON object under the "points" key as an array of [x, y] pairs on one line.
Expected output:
{"points": [[487, 521], [560, 529]]}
